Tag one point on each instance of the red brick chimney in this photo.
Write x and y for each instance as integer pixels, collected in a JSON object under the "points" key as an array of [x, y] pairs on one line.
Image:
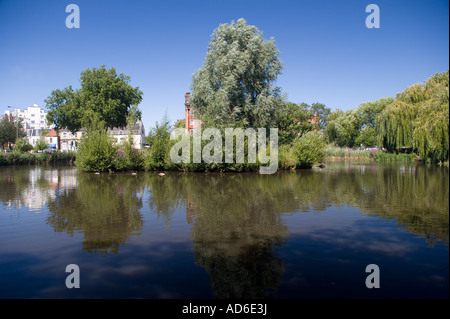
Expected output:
{"points": [[186, 99]]}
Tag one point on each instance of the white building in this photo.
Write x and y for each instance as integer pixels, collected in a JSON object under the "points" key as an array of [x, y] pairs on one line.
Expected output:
{"points": [[33, 117], [137, 132]]}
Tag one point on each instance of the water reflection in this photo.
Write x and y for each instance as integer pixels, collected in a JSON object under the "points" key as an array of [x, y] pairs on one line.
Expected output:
{"points": [[106, 208], [237, 221]]}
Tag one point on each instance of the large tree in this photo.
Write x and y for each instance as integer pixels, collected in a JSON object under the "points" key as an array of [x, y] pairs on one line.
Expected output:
{"points": [[236, 83], [418, 119], [292, 121], [104, 100], [320, 110], [10, 131]]}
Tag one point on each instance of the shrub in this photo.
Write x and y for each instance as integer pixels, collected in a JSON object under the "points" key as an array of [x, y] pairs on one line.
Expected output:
{"points": [[17, 158], [3, 159], [309, 149], [96, 152], [381, 156], [286, 157], [128, 157], [61, 157], [22, 145], [41, 158], [40, 144]]}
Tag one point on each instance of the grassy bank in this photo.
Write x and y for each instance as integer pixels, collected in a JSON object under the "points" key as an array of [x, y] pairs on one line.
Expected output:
{"points": [[333, 153], [17, 158], [343, 153]]}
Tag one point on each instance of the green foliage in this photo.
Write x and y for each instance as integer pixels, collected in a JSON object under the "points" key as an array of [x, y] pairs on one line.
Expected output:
{"points": [[9, 131], [60, 157], [40, 144], [22, 145], [345, 152], [345, 127], [3, 159], [356, 127], [292, 121], [320, 110], [367, 137], [104, 100], [309, 149], [235, 85], [419, 119], [96, 152], [179, 123], [158, 156], [17, 158], [286, 157], [128, 157], [381, 156]]}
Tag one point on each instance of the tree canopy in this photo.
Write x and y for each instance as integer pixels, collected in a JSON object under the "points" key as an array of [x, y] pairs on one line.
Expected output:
{"points": [[292, 121], [418, 119], [10, 131], [236, 83], [356, 127], [104, 100]]}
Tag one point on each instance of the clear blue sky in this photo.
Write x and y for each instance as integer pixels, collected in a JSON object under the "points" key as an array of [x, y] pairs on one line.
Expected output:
{"points": [[328, 53]]}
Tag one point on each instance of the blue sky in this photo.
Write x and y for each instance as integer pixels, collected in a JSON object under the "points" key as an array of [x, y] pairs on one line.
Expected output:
{"points": [[328, 53]]}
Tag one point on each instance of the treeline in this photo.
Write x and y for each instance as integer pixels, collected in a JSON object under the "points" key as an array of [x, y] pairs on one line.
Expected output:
{"points": [[415, 121], [418, 119], [26, 158], [236, 88]]}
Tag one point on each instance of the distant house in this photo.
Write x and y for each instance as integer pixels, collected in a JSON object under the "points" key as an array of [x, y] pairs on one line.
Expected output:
{"points": [[137, 132], [52, 140], [33, 135], [69, 141]]}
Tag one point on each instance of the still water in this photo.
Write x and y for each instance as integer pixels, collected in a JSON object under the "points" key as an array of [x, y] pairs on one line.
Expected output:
{"points": [[302, 234]]}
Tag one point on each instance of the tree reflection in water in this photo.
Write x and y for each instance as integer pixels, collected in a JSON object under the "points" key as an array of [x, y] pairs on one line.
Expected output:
{"points": [[105, 208], [237, 223]]}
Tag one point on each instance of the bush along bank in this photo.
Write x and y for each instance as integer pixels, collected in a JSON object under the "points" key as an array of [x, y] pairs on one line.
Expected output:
{"points": [[98, 153], [19, 158]]}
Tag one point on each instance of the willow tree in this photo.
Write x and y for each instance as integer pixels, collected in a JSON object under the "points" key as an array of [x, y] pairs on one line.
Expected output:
{"points": [[418, 119], [430, 135], [236, 83]]}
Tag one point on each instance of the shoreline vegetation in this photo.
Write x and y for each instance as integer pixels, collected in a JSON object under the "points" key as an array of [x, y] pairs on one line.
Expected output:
{"points": [[146, 161]]}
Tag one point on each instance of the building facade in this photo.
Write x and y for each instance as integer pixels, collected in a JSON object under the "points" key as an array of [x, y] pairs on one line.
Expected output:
{"points": [[137, 132], [69, 141], [33, 117]]}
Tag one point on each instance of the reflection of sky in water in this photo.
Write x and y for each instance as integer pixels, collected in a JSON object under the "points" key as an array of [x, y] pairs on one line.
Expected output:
{"points": [[323, 254]]}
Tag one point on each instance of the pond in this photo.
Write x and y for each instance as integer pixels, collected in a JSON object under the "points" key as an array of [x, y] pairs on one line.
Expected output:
{"points": [[292, 234]]}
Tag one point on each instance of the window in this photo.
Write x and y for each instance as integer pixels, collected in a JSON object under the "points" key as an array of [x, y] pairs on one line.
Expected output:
{"points": [[32, 115], [192, 122], [51, 139], [32, 122], [64, 135]]}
